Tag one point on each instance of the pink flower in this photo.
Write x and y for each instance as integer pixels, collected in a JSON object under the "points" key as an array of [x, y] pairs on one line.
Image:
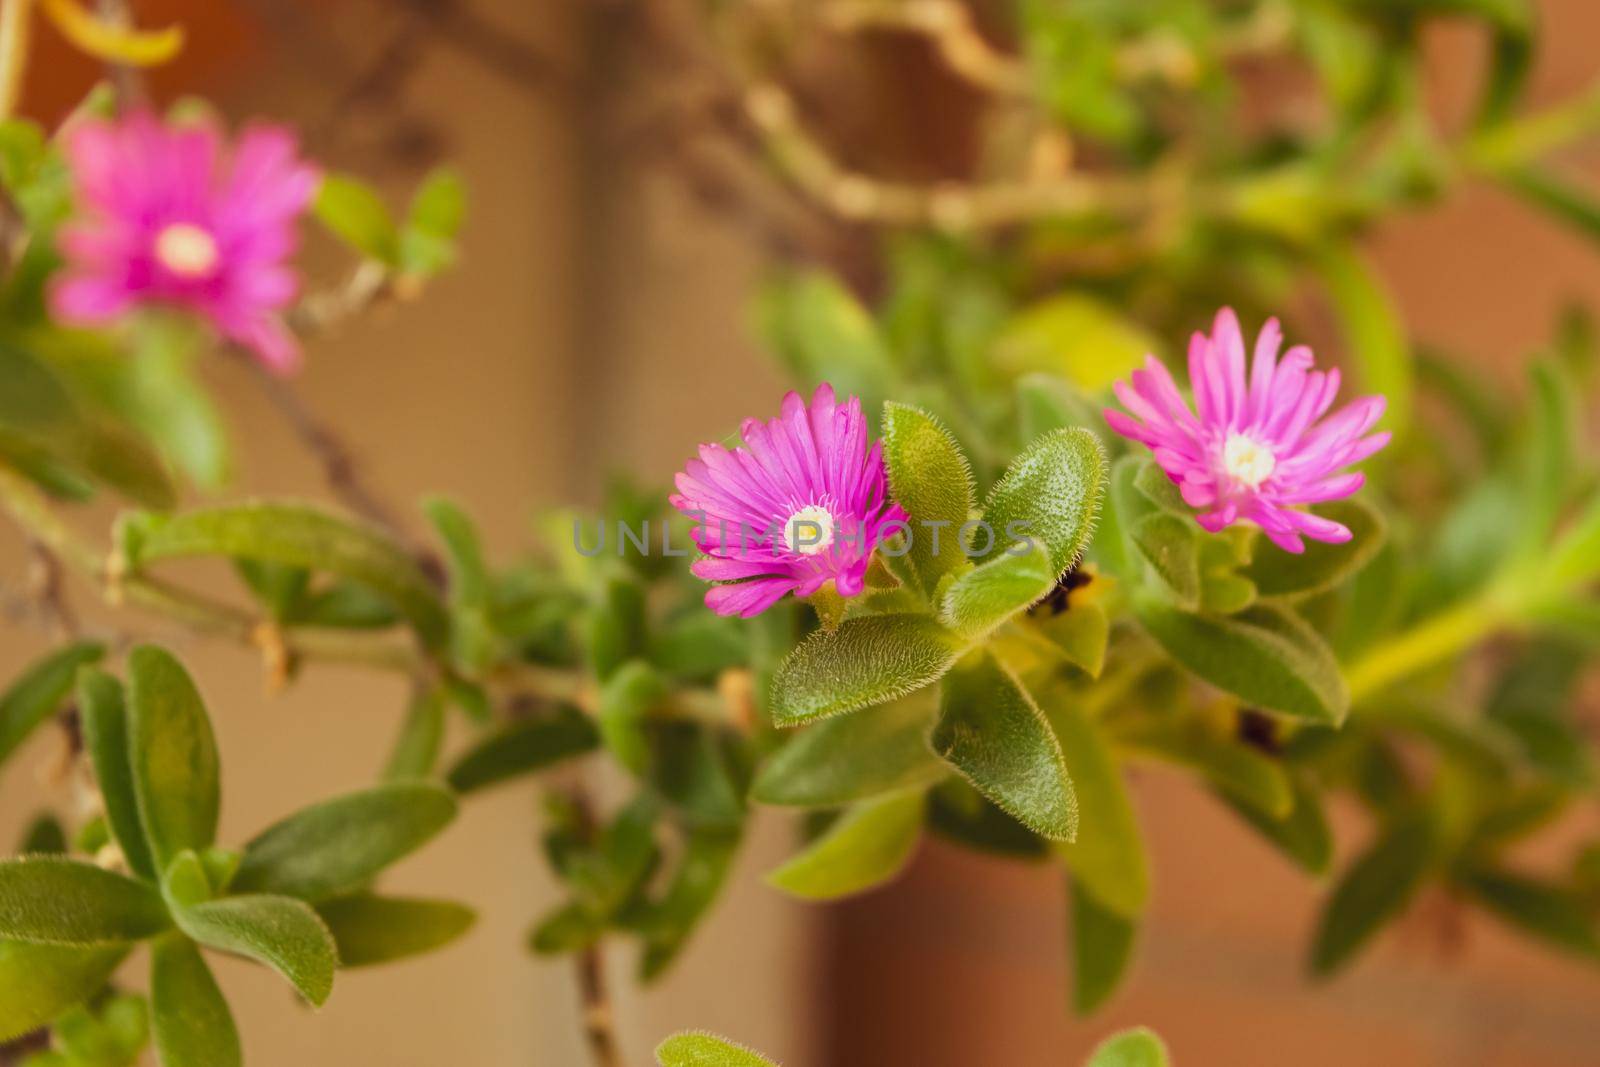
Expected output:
{"points": [[804, 503], [168, 217], [1252, 452]]}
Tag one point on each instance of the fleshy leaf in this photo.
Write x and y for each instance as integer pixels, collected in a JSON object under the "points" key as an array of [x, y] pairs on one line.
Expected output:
{"points": [[176, 774], [992, 732], [34, 697], [189, 1019], [987, 595], [1374, 889], [55, 900], [105, 734], [338, 844], [281, 932], [523, 748], [1051, 494], [1265, 656], [39, 982], [1138, 1047], [853, 757], [416, 749], [868, 845], [1322, 565], [372, 929], [706, 1050], [931, 479], [1102, 949], [865, 661], [298, 535]]}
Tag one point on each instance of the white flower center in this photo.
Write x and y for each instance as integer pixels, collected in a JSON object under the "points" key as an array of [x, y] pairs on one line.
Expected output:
{"points": [[809, 530], [186, 250], [1246, 461]]}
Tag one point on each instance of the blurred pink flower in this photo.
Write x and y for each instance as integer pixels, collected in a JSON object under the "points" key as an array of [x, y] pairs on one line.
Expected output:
{"points": [[168, 216], [804, 503], [1252, 451]]}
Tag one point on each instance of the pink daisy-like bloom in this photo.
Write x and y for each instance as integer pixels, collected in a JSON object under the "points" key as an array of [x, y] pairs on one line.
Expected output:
{"points": [[1252, 451], [805, 502], [168, 216]]}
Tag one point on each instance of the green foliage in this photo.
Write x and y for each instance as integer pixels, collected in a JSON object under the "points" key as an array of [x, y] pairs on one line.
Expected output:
{"points": [[706, 1050], [370, 929], [35, 696], [1374, 889], [823, 334], [523, 748], [1107, 857], [1322, 566], [1102, 950], [868, 845], [280, 932], [865, 661], [189, 1019], [105, 733], [335, 846], [38, 981], [992, 732], [850, 758], [1082, 339], [1138, 1047], [173, 755], [931, 479], [354, 212], [59, 901]]}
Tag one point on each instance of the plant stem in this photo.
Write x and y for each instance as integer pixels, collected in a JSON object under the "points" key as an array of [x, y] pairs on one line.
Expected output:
{"points": [[14, 27], [1425, 644], [598, 1020]]}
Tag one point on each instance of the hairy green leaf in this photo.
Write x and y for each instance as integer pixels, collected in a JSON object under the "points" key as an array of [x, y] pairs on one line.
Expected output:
{"points": [[1050, 495], [870, 844], [691, 1049], [523, 748], [1138, 1047], [39, 982], [189, 1019], [931, 479], [176, 773], [105, 734], [372, 929], [992, 732], [865, 661], [1172, 548], [854, 757], [1107, 858], [280, 932], [55, 900], [1373, 890], [338, 844], [298, 535], [416, 749], [1321, 566], [1102, 949], [987, 595], [1265, 656], [34, 697]]}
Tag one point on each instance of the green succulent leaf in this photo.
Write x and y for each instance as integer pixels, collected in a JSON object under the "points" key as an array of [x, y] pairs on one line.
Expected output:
{"points": [[1102, 949], [992, 732], [371, 929], [357, 215], [823, 334], [1554, 914], [339, 844], [427, 243], [1051, 495], [867, 846], [416, 749], [1303, 835], [297, 535], [38, 982], [986, 596], [1107, 858], [665, 924], [1321, 566], [523, 748], [189, 1019], [1374, 331], [35, 696], [1373, 890], [691, 1049], [105, 734], [1172, 548], [866, 661], [625, 700], [1138, 1047], [1241, 772], [1083, 339], [853, 757], [173, 756], [56, 900], [1266, 656], [280, 932], [931, 479]]}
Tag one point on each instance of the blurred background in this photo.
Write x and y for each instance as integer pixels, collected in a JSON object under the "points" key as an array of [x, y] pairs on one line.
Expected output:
{"points": [[599, 321]]}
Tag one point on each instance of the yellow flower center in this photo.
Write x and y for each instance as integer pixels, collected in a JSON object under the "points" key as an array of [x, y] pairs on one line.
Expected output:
{"points": [[186, 250], [809, 530], [1246, 461]]}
